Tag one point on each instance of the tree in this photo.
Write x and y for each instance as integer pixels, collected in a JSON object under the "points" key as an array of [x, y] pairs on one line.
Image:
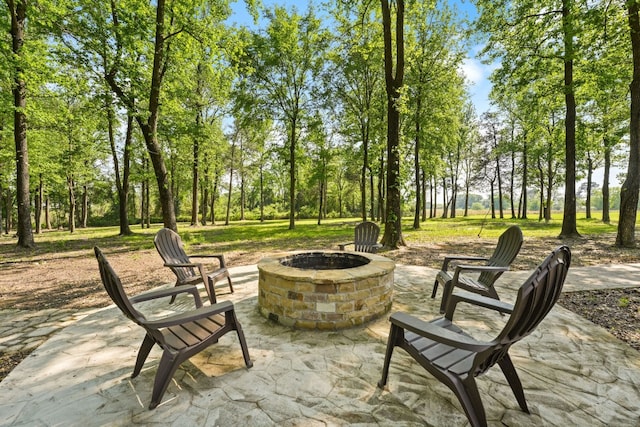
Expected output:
{"points": [[527, 34], [286, 63], [394, 76], [356, 79], [18, 15], [631, 185]]}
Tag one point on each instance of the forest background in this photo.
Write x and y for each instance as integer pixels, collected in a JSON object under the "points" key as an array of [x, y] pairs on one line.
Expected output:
{"points": [[138, 112]]}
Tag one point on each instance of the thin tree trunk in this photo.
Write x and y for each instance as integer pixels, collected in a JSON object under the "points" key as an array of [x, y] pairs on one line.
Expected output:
{"points": [[605, 183], [416, 165], [85, 206], [292, 173], [47, 213], [525, 173], [512, 184], [39, 197], [233, 150], [72, 204], [195, 176], [589, 181], [569, 220]]}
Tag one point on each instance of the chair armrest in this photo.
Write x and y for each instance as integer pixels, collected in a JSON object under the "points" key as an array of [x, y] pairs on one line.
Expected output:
{"points": [[168, 292], [449, 258], [461, 268], [182, 264], [190, 316], [220, 258], [436, 333], [477, 300], [342, 245]]}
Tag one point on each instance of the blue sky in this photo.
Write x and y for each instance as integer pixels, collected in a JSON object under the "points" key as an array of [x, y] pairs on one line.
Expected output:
{"points": [[477, 73]]}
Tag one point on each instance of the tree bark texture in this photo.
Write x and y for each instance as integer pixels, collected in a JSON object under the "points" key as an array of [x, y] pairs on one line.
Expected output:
{"points": [[18, 11], [569, 220], [392, 237], [631, 185]]}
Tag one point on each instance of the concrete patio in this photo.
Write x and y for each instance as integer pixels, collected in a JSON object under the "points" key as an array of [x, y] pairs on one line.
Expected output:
{"points": [[573, 372]]}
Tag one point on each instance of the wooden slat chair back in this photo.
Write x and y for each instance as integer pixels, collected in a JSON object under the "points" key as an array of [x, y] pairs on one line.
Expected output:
{"points": [[171, 249], [181, 335], [488, 270], [456, 359], [365, 238]]}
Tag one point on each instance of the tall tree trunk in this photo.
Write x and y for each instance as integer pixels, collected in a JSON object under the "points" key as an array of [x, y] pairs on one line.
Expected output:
{"points": [[39, 199], [320, 201], [569, 220], [205, 191], [363, 172], [195, 175], [214, 194], [500, 196], [262, 194], [243, 195], [1, 204], [47, 212], [392, 237], [72, 203], [122, 184], [7, 201], [292, 173], [445, 200], [589, 181], [512, 180], [416, 165], [18, 11], [493, 199], [85, 207], [605, 183], [525, 173], [381, 187], [150, 127], [631, 185], [424, 195], [233, 150]]}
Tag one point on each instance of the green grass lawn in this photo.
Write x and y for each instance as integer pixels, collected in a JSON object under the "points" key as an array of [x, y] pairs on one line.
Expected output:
{"points": [[275, 235]]}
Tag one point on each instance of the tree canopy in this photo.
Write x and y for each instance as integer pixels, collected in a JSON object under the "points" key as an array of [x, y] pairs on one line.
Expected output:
{"points": [[347, 108]]}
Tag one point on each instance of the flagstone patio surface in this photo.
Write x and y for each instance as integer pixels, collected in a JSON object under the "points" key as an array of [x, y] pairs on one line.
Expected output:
{"points": [[574, 373]]}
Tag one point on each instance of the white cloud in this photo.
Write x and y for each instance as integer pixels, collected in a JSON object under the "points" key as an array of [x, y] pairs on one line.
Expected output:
{"points": [[473, 70]]}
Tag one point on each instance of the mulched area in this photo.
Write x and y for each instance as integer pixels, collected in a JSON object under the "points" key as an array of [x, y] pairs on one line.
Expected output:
{"points": [[616, 310]]}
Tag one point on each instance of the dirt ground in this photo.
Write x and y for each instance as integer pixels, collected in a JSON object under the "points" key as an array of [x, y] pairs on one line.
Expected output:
{"points": [[70, 280]]}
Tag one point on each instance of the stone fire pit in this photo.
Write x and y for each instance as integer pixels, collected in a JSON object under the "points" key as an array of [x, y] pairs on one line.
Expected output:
{"points": [[325, 289]]}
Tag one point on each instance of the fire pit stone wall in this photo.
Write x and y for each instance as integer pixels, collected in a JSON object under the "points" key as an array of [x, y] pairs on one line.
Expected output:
{"points": [[325, 299]]}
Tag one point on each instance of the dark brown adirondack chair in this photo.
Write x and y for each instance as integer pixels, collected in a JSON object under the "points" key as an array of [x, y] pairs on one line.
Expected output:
{"points": [[490, 269], [171, 249], [181, 335], [366, 238], [456, 359]]}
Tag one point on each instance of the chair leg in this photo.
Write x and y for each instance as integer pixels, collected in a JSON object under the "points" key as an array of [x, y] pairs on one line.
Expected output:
{"points": [[145, 349], [391, 343], [467, 392], [512, 377], [166, 368], [211, 290], [435, 289], [446, 293], [231, 322], [230, 285]]}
